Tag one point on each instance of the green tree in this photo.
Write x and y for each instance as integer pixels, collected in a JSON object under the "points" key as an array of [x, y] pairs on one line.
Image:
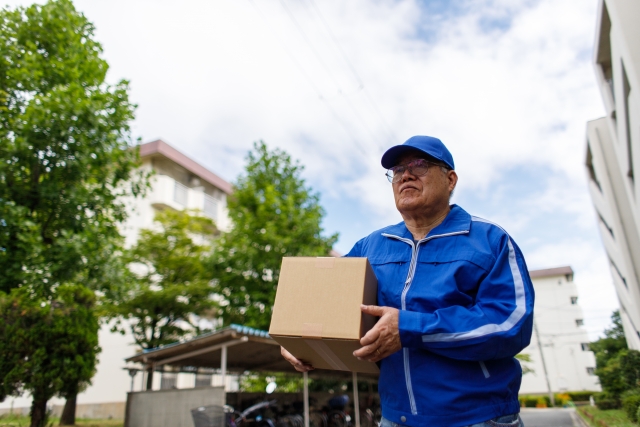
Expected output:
{"points": [[611, 344], [525, 360], [611, 359], [169, 285], [274, 214], [66, 159], [48, 343]]}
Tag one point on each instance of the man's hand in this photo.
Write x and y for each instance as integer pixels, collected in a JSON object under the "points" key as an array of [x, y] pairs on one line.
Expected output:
{"points": [[299, 365], [384, 338]]}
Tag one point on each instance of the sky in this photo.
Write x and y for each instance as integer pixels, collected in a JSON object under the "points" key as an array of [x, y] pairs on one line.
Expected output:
{"points": [[507, 85]]}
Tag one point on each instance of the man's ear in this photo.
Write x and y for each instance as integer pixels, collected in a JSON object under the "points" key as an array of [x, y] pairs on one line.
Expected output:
{"points": [[453, 181]]}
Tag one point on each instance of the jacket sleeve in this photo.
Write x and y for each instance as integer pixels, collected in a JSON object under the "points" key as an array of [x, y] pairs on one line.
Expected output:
{"points": [[356, 251], [497, 325]]}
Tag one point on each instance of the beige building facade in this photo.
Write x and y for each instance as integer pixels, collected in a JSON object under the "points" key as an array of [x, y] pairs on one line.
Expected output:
{"points": [[613, 153], [559, 348]]}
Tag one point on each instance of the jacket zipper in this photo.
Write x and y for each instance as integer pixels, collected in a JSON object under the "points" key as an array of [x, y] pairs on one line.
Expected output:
{"points": [[415, 247]]}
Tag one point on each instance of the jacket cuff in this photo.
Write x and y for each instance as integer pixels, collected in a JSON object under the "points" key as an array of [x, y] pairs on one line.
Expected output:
{"points": [[410, 327]]}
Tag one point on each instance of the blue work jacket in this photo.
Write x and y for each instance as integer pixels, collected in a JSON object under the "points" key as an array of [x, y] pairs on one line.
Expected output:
{"points": [[466, 309]]}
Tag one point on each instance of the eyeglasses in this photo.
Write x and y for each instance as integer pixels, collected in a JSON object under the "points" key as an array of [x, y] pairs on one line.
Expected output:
{"points": [[418, 167]]}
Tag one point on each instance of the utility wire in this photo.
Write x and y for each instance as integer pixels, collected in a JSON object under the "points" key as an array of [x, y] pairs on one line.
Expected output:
{"points": [[327, 69], [310, 81], [392, 135]]}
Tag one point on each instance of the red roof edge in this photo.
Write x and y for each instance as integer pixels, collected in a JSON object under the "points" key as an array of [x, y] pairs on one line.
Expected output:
{"points": [[550, 272], [161, 147]]}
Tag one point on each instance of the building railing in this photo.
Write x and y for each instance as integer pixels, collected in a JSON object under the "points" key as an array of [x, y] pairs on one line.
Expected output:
{"points": [[210, 207], [180, 194]]}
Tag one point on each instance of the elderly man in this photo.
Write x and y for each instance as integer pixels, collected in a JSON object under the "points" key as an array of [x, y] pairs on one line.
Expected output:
{"points": [[455, 302]]}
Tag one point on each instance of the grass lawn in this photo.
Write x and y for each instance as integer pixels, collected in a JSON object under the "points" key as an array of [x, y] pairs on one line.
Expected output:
{"points": [[612, 417], [20, 421]]}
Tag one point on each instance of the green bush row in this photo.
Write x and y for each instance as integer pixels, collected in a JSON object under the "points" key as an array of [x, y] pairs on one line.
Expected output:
{"points": [[561, 399]]}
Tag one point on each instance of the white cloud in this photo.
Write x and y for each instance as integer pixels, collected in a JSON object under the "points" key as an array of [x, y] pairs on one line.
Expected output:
{"points": [[507, 85]]}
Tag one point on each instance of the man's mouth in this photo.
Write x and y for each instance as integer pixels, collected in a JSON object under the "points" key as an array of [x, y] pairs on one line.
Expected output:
{"points": [[407, 187]]}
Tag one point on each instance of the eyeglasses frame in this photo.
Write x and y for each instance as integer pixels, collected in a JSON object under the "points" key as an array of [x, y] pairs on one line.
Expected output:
{"points": [[406, 166]]}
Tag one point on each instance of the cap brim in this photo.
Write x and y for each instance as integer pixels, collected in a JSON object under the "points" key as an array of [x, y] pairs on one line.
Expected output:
{"points": [[392, 155]]}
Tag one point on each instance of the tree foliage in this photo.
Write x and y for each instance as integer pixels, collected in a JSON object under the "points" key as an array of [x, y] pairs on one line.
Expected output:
{"points": [[611, 344], [617, 367], [66, 161], [50, 344], [65, 153], [274, 214], [168, 283]]}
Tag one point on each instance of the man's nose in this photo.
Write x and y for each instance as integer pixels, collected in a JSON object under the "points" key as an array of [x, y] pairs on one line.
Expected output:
{"points": [[407, 176]]}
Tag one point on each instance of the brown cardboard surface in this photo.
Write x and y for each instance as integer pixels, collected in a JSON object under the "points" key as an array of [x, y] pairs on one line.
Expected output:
{"points": [[316, 314], [341, 349]]}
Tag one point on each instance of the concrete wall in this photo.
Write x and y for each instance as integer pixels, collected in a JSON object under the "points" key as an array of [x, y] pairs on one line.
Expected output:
{"points": [[169, 408]]}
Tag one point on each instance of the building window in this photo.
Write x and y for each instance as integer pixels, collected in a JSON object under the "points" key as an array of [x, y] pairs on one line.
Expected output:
{"points": [[591, 168], [591, 371], [574, 300], [585, 346], [579, 322], [203, 380], [627, 91], [606, 225], [168, 381], [619, 273], [603, 57]]}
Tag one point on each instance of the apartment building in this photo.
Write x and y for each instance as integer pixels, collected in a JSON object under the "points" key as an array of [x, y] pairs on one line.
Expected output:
{"points": [[613, 153], [559, 348], [178, 182]]}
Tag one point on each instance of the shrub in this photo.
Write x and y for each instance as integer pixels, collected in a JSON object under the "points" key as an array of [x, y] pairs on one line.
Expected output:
{"points": [[580, 396], [542, 402], [528, 401], [631, 403], [562, 399], [531, 401], [606, 401]]}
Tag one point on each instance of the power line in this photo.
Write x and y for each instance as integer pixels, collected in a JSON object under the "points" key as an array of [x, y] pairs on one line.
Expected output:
{"points": [[310, 81], [316, 9], [327, 69]]}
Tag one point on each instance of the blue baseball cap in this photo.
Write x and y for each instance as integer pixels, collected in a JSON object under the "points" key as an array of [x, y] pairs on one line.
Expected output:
{"points": [[429, 145]]}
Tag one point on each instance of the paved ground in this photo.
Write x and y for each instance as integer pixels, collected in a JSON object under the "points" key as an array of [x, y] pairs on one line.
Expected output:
{"points": [[551, 417]]}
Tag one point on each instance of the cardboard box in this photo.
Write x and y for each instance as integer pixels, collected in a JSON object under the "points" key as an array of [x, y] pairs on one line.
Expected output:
{"points": [[316, 315]]}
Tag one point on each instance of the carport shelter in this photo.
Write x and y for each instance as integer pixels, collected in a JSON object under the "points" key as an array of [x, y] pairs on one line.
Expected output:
{"points": [[236, 349]]}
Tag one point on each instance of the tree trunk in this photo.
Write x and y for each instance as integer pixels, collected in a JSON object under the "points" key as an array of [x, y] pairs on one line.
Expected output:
{"points": [[68, 417], [38, 412], [150, 378]]}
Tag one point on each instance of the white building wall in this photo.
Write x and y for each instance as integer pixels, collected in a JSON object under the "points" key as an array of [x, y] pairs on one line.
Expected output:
{"points": [[613, 153], [569, 364]]}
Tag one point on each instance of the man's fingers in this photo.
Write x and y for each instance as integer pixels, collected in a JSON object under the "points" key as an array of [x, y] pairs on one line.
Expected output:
{"points": [[374, 310], [297, 364], [371, 336], [366, 352]]}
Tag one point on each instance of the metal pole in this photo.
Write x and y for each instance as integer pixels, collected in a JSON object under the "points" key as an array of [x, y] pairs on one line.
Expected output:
{"points": [[544, 365], [356, 399], [305, 397], [223, 366]]}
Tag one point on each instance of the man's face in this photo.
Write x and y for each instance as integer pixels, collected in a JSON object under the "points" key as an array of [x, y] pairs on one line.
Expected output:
{"points": [[426, 194]]}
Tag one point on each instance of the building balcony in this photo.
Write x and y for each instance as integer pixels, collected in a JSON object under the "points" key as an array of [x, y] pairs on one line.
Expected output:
{"points": [[166, 192]]}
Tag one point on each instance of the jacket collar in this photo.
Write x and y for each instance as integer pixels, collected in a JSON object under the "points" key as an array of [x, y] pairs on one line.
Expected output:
{"points": [[456, 221]]}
